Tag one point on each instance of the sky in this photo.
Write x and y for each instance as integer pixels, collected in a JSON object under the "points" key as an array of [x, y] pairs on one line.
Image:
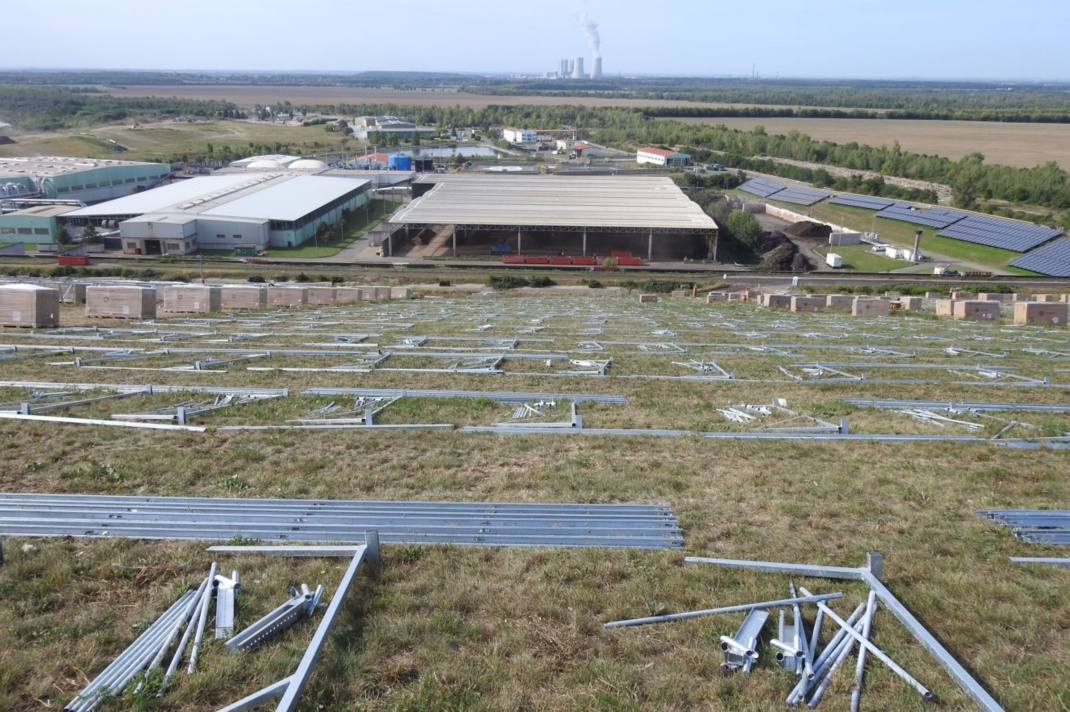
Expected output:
{"points": [[855, 39]]}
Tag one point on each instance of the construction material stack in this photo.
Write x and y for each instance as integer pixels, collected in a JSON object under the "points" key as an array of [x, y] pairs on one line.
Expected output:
{"points": [[871, 307], [978, 310], [1054, 314], [320, 295], [120, 302], [241, 297], [287, 296], [196, 298], [29, 305], [815, 303]]}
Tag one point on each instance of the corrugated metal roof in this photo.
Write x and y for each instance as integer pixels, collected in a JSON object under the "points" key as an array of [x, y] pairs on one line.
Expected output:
{"points": [[657, 152], [158, 199], [288, 200], [270, 196], [555, 201]]}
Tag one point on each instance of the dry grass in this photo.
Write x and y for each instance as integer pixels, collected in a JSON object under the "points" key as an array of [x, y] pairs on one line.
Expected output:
{"points": [[300, 95], [438, 628], [1018, 145]]}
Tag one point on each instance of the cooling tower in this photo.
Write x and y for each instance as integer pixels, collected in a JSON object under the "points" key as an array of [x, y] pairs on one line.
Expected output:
{"points": [[564, 70], [596, 71], [577, 68]]}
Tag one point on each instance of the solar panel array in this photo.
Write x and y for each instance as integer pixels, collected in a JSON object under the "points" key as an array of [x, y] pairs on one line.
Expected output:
{"points": [[800, 196], [869, 202], [761, 187], [1000, 232], [1052, 259], [933, 217]]}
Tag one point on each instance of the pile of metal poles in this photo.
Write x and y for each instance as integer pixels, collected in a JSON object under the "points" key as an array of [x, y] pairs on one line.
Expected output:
{"points": [[795, 650], [146, 654]]}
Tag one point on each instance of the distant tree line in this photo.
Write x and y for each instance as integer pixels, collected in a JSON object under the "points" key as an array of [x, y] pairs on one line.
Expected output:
{"points": [[51, 108]]}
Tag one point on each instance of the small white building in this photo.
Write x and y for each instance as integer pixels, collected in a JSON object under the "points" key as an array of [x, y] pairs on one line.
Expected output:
{"points": [[515, 135], [662, 157]]}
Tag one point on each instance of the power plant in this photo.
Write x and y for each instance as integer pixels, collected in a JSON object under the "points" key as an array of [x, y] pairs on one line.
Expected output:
{"points": [[573, 69]]}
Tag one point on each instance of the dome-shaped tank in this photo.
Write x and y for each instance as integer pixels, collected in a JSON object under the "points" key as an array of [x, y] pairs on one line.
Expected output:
{"points": [[265, 164], [308, 164]]}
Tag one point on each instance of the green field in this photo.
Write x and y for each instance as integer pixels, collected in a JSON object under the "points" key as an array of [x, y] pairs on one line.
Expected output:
{"points": [[902, 234], [862, 259], [168, 140]]}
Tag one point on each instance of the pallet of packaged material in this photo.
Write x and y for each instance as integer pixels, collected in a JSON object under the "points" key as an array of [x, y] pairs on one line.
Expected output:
{"points": [[648, 298], [287, 296], [321, 295], [243, 297], [716, 297], [347, 295], [945, 307], [381, 292], [975, 309], [776, 301], [1064, 298], [871, 307], [1049, 298], [28, 305], [910, 303], [1021, 297], [400, 292], [963, 296], [120, 302], [839, 302], [1041, 313], [815, 303], [192, 298], [994, 296]]}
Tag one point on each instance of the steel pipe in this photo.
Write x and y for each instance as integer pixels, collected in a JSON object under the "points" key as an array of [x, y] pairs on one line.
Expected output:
{"points": [[877, 652], [726, 609]]}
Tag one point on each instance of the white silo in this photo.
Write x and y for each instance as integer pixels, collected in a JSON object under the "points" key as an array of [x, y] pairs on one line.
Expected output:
{"points": [[577, 68], [596, 71]]}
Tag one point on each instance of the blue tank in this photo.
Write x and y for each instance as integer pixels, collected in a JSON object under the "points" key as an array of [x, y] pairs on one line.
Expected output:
{"points": [[399, 162]]}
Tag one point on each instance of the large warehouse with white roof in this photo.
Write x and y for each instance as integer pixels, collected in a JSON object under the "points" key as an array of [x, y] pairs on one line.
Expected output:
{"points": [[550, 215], [252, 211]]}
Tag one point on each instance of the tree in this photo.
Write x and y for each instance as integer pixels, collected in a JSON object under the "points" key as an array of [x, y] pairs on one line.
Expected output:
{"points": [[744, 227], [90, 235], [62, 236]]}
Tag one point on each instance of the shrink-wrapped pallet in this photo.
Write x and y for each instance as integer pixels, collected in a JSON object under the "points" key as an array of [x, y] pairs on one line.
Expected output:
{"points": [[287, 296], [320, 295], [192, 298], [120, 302], [28, 305], [242, 297]]}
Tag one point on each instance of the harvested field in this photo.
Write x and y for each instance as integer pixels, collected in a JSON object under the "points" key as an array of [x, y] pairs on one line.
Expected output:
{"points": [[251, 94], [1019, 145], [484, 628]]}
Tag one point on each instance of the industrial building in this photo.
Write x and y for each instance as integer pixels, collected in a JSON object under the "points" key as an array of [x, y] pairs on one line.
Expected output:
{"points": [[553, 215], [87, 180], [515, 135], [662, 157], [250, 211], [37, 224]]}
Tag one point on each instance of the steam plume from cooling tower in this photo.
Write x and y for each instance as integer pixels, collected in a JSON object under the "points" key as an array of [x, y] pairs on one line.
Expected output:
{"points": [[590, 29]]}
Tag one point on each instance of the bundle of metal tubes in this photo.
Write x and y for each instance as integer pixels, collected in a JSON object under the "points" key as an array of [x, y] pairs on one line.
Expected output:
{"points": [[146, 654]]}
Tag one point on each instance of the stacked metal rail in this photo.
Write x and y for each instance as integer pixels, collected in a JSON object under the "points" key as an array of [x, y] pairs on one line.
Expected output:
{"points": [[221, 519], [1036, 526]]}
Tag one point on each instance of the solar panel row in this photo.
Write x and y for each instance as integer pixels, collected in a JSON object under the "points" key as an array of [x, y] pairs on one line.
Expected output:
{"points": [[1000, 232], [800, 196], [868, 202], [934, 217], [1052, 259], [762, 187]]}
